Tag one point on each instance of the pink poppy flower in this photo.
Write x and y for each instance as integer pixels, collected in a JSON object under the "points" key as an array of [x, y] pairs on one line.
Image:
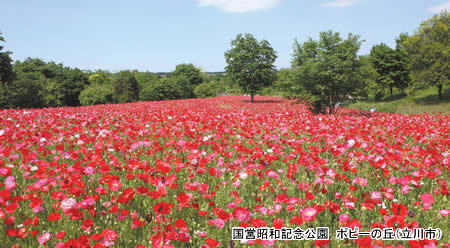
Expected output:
{"points": [[42, 239], [445, 212], [376, 196], [427, 198], [349, 205], [309, 214], [360, 181], [10, 183], [218, 222], [68, 204], [241, 214], [343, 218], [114, 185], [272, 174]]}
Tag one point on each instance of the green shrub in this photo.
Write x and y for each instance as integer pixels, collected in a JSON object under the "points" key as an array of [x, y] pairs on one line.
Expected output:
{"points": [[126, 87], [204, 90], [175, 87], [97, 94]]}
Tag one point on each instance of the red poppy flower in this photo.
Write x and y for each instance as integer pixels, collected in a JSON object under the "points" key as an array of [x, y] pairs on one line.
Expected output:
{"points": [[211, 242], [54, 216], [114, 185], [399, 210], [321, 243], [396, 222], [162, 208], [278, 223]]}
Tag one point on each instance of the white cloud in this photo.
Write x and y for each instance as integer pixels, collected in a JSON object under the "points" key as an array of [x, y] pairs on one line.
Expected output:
{"points": [[239, 5], [340, 3], [439, 8]]}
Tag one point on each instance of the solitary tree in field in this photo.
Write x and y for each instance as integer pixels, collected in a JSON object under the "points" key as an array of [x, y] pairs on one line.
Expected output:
{"points": [[251, 63], [326, 71], [429, 52]]}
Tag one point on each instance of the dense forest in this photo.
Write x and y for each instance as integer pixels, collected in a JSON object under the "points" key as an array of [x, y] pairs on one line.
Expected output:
{"points": [[323, 72]]}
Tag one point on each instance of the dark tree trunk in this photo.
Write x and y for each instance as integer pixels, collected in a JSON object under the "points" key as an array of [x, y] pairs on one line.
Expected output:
{"points": [[391, 92], [440, 91], [252, 97]]}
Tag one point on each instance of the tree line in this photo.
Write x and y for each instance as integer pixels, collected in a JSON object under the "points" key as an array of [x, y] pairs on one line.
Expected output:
{"points": [[34, 83], [324, 73], [327, 73]]}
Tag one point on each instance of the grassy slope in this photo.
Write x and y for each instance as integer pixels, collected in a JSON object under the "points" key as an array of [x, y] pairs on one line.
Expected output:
{"points": [[422, 101]]}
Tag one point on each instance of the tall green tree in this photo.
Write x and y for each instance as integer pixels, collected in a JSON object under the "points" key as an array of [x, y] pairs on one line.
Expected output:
{"points": [[168, 88], [99, 91], [401, 72], [327, 70], [6, 74], [185, 85], [70, 84], [25, 91], [384, 60], [97, 94], [145, 78], [51, 93], [192, 73], [126, 87], [368, 76], [100, 78], [6, 70], [429, 52], [285, 82], [251, 63], [206, 89], [62, 85]]}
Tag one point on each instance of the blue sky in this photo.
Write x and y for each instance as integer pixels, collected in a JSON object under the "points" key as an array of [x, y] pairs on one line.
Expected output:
{"points": [[156, 35]]}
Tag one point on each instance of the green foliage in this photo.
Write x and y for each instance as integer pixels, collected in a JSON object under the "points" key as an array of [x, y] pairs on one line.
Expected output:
{"points": [[187, 89], [161, 90], [368, 76], [24, 92], [168, 89], [70, 86], [60, 86], [100, 77], [251, 63], [126, 87], [429, 52], [285, 82], [424, 100], [391, 65], [383, 59], [221, 86], [326, 71], [145, 78], [97, 94], [51, 93], [206, 89], [268, 91], [6, 71], [401, 74], [192, 73], [228, 86]]}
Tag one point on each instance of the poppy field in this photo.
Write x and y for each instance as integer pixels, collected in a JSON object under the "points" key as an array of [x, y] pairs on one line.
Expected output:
{"points": [[183, 173]]}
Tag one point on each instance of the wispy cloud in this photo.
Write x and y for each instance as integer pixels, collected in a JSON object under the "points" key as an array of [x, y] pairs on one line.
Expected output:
{"points": [[340, 3], [239, 5], [439, 8]]}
